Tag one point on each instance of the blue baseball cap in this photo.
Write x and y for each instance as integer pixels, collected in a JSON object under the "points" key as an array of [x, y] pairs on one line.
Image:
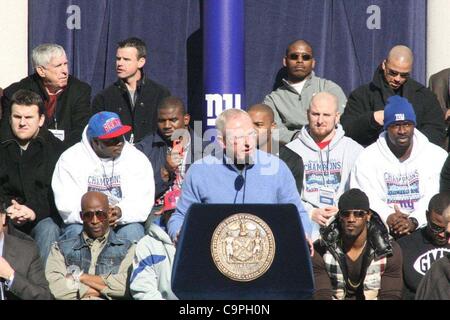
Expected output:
{"points": [[106, 125], [398, 109]]}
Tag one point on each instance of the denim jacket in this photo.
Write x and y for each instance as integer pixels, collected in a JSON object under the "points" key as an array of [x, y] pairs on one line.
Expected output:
{"points": [[77, 252]]}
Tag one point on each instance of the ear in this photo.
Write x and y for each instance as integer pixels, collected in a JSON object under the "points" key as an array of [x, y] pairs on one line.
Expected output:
{"points": [[273, 125], [40, 71], [313, 63], [369, 216], [141, 62], [383, 65], [285, 62], [221, 141], [338, 118], [186, 119], [41, 120]]}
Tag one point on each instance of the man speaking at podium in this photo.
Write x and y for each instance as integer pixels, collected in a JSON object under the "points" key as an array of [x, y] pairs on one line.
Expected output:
{"points": [[237, 173]]}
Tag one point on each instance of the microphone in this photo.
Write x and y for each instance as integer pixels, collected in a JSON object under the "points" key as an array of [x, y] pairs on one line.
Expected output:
{"points": [[239, 182]]}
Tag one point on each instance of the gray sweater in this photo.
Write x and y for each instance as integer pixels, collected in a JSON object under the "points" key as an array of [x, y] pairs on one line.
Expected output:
{"points": [[290, 107]]}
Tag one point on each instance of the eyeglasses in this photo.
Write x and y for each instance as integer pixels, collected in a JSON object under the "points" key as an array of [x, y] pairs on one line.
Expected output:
{"points": [[112, 142], [436, 228], [251, 134], [393, 73], [87, 216], [304, 56], [356, 213]]}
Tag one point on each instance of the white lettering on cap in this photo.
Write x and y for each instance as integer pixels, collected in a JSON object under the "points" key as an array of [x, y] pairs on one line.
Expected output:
{"points": [[399, 117]]}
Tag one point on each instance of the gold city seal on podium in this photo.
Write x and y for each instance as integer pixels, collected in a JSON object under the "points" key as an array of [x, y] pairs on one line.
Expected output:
{"points": [[243, 247]]}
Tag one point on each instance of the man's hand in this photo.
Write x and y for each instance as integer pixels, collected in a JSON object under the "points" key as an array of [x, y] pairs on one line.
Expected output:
{"points": [[398, 222], [311, 246], [6, 271], [379, 117], [447, 115], [115, 213], [20, 213], [322, 215]]}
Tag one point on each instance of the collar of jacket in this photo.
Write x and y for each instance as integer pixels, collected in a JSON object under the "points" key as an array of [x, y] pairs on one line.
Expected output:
{"points": [[112, 240], [141, 82], [289, 87], [377, 237], [8, 137], [38, 80]]}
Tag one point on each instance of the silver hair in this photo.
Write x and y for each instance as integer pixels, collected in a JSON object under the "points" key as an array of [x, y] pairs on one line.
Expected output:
{"points": [[44, 53], [225, 116]]}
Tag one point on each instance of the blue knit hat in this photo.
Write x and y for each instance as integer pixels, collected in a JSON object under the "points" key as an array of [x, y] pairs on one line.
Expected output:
{"points": [[398, 109]]}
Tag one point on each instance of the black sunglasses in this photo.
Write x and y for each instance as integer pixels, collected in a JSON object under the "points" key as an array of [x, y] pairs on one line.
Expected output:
{"points": [[393, 73], [113, 141], [356, 213], [435, 228], [87, 216], [304, 56]]}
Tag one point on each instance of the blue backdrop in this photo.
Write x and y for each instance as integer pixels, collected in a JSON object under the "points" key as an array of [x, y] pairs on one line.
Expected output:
{"points": [[349, 37]]}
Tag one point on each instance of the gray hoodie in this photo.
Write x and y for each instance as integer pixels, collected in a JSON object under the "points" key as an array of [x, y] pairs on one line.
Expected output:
{"points": [[329, 168]]}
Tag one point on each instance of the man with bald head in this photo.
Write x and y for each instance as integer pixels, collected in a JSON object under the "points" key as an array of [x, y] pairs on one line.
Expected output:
{"points": [[94, 264], [363, 117], [291, 100], [328, 158], [237, 173], [263, 120]]}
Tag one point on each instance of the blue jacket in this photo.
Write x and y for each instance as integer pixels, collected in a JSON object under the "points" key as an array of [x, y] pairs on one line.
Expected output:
{"points": [[77, 252], [212, 180]]}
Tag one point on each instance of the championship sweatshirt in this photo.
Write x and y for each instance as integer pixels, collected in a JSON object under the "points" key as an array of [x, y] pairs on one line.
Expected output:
{"points": [[328, 168], [387, 181], [127, 181]]}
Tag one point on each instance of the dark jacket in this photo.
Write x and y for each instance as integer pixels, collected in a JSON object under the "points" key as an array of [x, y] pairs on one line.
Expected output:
{"points": [[295, 164], [360, 125], [77, 252], [72, 107], [439, 84], [378, 246], [26, 175], [143, 117], [29, 277], [155, 148], [435, 285]]}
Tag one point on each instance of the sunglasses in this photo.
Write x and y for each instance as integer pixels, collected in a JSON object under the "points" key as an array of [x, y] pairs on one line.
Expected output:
{"points": [[304, 56], [435, 228], [356, 213], [393, 73], [112, 142], [87, 216]]}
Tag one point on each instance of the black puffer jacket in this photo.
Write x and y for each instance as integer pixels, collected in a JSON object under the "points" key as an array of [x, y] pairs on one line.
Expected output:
{"points": [[360, 125], [26, 175]]}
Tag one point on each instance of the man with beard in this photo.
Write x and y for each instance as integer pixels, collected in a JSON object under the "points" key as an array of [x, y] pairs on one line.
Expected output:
{"points": [[355, 260], [237, 173], [291, 100], [363, 119], [425, 245], [396, 173]]}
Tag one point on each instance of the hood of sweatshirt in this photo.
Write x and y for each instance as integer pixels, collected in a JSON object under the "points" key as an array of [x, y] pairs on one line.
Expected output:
{"points": [[156, 232]]}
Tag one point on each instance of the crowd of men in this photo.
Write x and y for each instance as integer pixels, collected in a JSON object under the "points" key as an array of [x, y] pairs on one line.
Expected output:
{"points": [[94, 194]]}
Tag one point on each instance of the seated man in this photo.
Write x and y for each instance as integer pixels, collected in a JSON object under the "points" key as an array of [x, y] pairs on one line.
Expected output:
{"points": [[170, 150], [21, 269], [152, 266], [103, 161], [435, 285], [400, 172], [264, 122], [95, 263], [328, 156], [363, 118], [425, 245], [237, 173], [439, 84], [28, 154], [354, 259], [290, 101], [134, 97], [66, 99]]}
